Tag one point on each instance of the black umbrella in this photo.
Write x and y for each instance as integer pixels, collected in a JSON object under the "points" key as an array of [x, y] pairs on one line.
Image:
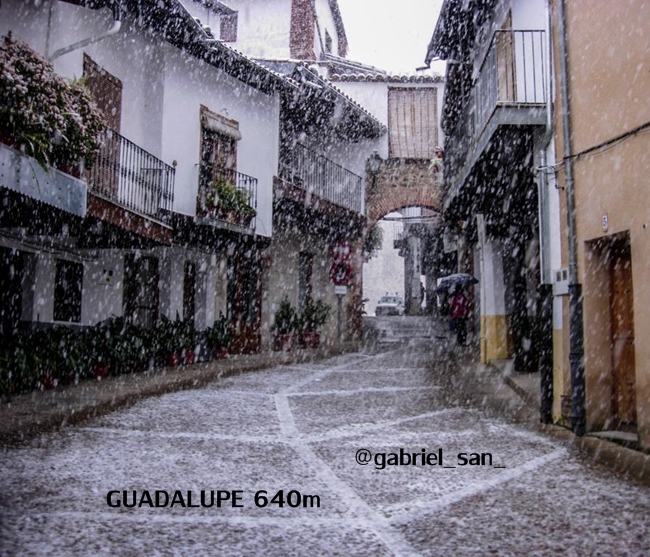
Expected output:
{"points": [[457, 279]]}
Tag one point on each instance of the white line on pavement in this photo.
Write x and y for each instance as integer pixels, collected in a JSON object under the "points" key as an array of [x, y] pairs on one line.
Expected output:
{"points": [[417, 509], [183, 435], [319, 374], [373, 521], [148, 516], [363, 390], [348, 431]]}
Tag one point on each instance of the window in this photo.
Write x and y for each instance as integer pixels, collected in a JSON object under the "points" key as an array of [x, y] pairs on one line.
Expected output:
{"points": [[412, 122], [219, 136], [67, 291], [228, 30]]}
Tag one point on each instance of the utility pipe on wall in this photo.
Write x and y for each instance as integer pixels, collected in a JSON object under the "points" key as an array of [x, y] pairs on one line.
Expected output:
{"points": [[115, 27], [576, 324]]}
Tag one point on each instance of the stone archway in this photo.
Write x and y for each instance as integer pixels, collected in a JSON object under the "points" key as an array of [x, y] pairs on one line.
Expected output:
{"points": [[397, 184], [402, 183]]}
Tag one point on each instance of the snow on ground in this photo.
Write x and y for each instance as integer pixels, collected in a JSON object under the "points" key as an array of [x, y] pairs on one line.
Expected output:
{"points": [[299, 428]]}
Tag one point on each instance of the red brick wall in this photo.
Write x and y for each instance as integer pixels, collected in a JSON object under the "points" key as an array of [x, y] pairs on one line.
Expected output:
{"points": [[302, 30]]}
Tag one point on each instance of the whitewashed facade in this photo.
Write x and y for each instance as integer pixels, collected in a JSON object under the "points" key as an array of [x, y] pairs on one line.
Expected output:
{"points": [[163, 91]]}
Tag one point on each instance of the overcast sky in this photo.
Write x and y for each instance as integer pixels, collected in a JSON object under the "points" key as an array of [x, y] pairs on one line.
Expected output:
{"points": [[390, 34]]}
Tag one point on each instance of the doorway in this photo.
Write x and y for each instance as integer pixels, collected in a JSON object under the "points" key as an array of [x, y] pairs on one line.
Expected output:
{"points": [[141, 293], [189, 292], [621, 303], [244, 300], [11, 290]]}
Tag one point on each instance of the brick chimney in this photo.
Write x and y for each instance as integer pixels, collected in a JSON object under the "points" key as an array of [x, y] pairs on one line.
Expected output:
{"points": [[303, 23]]}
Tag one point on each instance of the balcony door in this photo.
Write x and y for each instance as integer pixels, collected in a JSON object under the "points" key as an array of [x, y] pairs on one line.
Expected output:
{"points": [[219, 136], [506, 62]]}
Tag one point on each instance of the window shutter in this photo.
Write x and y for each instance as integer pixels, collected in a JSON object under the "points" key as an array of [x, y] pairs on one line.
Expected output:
{"points": [[228, 30], [412, 122]]}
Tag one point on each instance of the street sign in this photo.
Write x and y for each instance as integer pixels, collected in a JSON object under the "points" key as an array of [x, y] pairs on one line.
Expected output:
{"points": [[340, 251], [340, 273], [340, 290]]}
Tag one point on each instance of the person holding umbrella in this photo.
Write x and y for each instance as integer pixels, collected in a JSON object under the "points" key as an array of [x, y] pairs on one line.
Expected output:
{"points": [[459, 312], [458, 304]]}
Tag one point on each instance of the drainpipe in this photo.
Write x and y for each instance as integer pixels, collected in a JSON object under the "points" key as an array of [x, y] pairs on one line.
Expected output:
{"points": [[117, 24], [545, 288], [576, 331], [545, 306]]}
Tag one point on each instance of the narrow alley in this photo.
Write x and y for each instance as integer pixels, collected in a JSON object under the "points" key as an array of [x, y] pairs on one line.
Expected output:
{"points": [[301, 430]]}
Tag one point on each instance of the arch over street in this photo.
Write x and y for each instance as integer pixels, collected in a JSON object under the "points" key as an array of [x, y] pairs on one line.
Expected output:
{"points": [[402, 183]]}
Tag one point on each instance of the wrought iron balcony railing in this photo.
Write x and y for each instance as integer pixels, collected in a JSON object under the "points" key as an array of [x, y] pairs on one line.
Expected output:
{"points": [[238, 193], [126, 174], [512, 80], [320, 176]]}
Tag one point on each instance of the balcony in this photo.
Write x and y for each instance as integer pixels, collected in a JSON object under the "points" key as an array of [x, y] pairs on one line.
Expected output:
{"points": [[318, 176], [24, 175], [510, 90], [127, 175], [227, 198]]}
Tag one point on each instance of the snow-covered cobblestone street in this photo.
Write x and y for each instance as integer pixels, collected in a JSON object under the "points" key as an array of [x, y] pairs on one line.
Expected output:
{"points": [[299, 429]]}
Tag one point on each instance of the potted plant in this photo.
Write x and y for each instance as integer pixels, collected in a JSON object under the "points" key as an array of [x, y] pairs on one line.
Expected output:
{"points": [[98, 341], [189, 342], [18, 363], [136, 348], [245, 213], [70, 355], [218, 337], [313, 317], [171, 339], [285, 326], [221, 199]]}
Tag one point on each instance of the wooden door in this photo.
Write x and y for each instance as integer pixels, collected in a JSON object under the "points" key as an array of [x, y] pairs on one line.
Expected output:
{"points": [[622, 345], [189, 292], [141, 292], [106, 90], [11, 291], [506, 62], [244, 301]]}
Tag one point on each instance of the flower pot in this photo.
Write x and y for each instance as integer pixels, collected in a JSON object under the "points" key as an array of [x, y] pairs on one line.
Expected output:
{"points": [[311, 339], [173, 358], [190, 357], [68, 379], [48, 381], [285, 343], [244, 220], [100, 371]]}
